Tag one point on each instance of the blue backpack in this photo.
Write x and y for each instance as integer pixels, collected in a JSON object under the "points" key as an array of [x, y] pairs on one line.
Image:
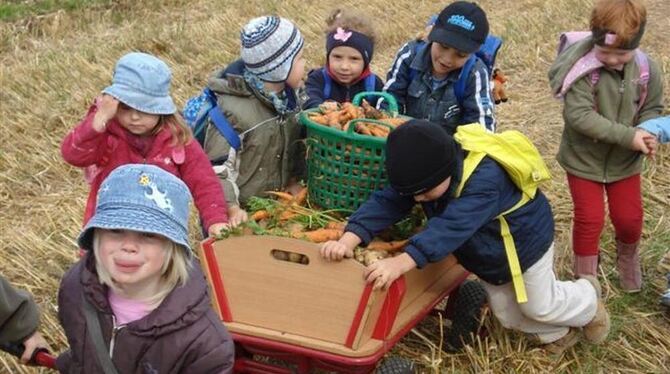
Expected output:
{"points": [[487, 54], [199, 109]]}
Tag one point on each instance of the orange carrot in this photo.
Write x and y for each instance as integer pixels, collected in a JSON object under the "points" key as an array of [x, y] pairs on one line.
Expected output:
{"points": [[287, 214], [378, 245], [321, 235], [283, 196], [301, 196], [260, 214], [336, 225]]}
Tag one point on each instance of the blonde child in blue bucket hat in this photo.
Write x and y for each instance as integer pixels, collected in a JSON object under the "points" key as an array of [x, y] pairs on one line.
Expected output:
{"points": [[135, 121], [137, 302]]}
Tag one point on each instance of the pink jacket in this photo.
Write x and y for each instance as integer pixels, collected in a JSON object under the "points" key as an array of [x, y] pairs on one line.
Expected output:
{"points": [[85, 147]]}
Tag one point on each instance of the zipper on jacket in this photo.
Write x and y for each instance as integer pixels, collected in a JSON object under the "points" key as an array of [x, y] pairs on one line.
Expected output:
{"points": [[282, 120], [115, 330], [622, 87]]}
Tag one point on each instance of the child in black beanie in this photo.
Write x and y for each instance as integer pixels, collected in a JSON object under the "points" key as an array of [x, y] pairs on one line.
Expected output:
{"points": [[424, 165]]}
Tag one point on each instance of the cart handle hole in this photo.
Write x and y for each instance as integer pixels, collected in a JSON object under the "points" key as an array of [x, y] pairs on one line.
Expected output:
{"points": [[289, 256]]}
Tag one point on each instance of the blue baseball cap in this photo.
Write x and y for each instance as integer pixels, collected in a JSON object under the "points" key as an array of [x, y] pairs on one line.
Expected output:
{"points": [[142, 82], [461, 25], [143, 198]]}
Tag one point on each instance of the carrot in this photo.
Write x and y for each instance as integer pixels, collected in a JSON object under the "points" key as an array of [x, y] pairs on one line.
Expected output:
{"points": [[321, 235], [285, 197], [336, 225], [360, 127], [377, 245], [301, 196], [287, 214], [260, 214]]}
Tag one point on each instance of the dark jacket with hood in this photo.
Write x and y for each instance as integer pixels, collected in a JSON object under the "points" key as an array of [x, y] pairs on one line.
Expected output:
{"points": [[466, 226], [182, 335], [340, 93]]}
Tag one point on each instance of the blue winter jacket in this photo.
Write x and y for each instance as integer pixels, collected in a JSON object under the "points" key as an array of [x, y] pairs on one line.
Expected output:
{"points": [[339, 92], [417, 98], [466, 226]]}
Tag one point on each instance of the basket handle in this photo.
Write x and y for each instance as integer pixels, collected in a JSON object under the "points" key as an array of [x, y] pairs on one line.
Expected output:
{"points": [[393, 103]]}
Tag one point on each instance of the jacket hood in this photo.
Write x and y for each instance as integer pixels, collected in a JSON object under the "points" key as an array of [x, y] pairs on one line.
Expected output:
{"points": [[182, 307], [565, 61]]}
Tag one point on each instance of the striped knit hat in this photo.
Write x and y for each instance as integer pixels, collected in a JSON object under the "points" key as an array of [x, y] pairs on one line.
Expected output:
{"points": [[269, 46]]}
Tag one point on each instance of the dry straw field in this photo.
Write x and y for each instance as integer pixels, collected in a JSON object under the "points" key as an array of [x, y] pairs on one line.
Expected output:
{"points": [[53, 65]]}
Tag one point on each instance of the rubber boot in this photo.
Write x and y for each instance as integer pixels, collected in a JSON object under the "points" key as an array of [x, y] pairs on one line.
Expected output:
{"points": [[628, 264], [585, 265]]}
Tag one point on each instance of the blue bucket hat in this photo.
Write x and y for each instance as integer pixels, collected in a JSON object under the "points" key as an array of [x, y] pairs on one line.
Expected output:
{"points": [[142, 82], [143, 198]]}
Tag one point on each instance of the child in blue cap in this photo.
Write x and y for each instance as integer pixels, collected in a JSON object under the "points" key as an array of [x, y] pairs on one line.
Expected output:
{"points": [[136, 121], [137, 302], [423, 76]]}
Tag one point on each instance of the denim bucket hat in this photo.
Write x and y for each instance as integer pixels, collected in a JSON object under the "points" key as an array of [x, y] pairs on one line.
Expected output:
{"points": [[142, 82], [143, 198]]}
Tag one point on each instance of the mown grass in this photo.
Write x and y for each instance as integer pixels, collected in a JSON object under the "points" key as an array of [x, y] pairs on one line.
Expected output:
{"points": [[53, 64], [13, 10]]}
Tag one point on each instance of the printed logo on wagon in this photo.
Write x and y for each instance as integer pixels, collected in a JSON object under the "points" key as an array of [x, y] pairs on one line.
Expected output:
{"points": [[461, 21]]}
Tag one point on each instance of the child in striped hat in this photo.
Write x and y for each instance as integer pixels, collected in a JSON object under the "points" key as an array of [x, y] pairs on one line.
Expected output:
{"points": [[258, 96]]}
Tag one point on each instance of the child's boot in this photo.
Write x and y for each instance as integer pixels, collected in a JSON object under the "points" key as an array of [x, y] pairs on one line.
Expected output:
{"points": [[597, 330], [585, 265], [558, 347], [628, 264]]}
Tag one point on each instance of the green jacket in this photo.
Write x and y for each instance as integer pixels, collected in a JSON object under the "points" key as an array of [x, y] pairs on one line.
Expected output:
{"points": [[272, 153], [596, 143], [19, 315]]}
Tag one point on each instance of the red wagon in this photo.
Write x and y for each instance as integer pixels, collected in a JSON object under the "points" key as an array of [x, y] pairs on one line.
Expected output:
{"points": [[314, 313]]}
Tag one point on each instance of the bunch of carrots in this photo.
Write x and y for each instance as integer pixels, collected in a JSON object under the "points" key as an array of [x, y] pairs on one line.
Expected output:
{"points": [[339, 116], [290, 215]]}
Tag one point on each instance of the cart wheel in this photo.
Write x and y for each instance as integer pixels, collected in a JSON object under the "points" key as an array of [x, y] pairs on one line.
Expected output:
{"points": [[396, 365], [467, 313]]}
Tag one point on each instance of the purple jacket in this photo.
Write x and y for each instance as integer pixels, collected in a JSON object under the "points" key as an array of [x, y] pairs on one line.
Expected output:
{"points": [[182, 335]]}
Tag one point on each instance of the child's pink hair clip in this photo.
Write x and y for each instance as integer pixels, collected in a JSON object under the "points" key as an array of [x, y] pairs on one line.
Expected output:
{"points": [[342, 35], [610, 38]]}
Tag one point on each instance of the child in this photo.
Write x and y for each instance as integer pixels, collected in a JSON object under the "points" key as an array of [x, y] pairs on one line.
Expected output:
{"points": [[137, 301], [424, 165], [660, 128], [423, 76], [258, 96], [601, 150], [19, 319], [350, 42], [135, 121]]}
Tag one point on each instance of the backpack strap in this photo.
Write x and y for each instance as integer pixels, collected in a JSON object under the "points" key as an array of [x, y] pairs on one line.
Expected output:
{"points": [[459, 86], [95, 333], [327, 84], [643, 65], [469, 165], [225, 128]]}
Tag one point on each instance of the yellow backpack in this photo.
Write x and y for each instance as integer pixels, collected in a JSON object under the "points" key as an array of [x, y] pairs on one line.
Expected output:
{"points": [[524, 165]]}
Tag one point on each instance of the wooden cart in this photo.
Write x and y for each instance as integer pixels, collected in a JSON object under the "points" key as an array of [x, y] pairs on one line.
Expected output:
{"points": [[315, 313]]}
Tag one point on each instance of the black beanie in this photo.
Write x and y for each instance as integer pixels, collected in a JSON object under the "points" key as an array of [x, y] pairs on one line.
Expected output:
{"points": [[419, 156]]}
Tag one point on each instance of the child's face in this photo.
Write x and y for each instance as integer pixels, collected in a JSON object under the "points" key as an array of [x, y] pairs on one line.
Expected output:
{"points": [[297, 72], [138, 123], [133, 259], [346, 64], [613, 58], [434, 193], [446, 59]]}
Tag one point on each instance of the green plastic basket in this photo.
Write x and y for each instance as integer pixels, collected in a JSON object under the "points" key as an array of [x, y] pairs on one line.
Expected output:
{"points": [[344, 168]]}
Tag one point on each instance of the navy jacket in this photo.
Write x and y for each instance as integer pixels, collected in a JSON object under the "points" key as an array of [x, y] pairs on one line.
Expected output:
{"points": [[339, 92], [466, 226], [417, 98]]}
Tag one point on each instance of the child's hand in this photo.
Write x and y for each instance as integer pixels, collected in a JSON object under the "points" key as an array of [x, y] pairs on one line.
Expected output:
{"points": [[333, 250], [215, 229], [651, 142], [32, 343], [384, 272], [107, 107], [236, 215], [638, 143], [337, 250]]}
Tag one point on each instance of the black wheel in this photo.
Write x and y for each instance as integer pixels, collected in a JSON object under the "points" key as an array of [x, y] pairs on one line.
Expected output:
{"points": [[467, 314], [396, 365]]}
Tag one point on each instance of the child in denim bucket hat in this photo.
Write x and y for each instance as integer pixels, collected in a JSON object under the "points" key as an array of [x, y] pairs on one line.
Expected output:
{"points": [[138, 284], [135, 121], [258, 94]]}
